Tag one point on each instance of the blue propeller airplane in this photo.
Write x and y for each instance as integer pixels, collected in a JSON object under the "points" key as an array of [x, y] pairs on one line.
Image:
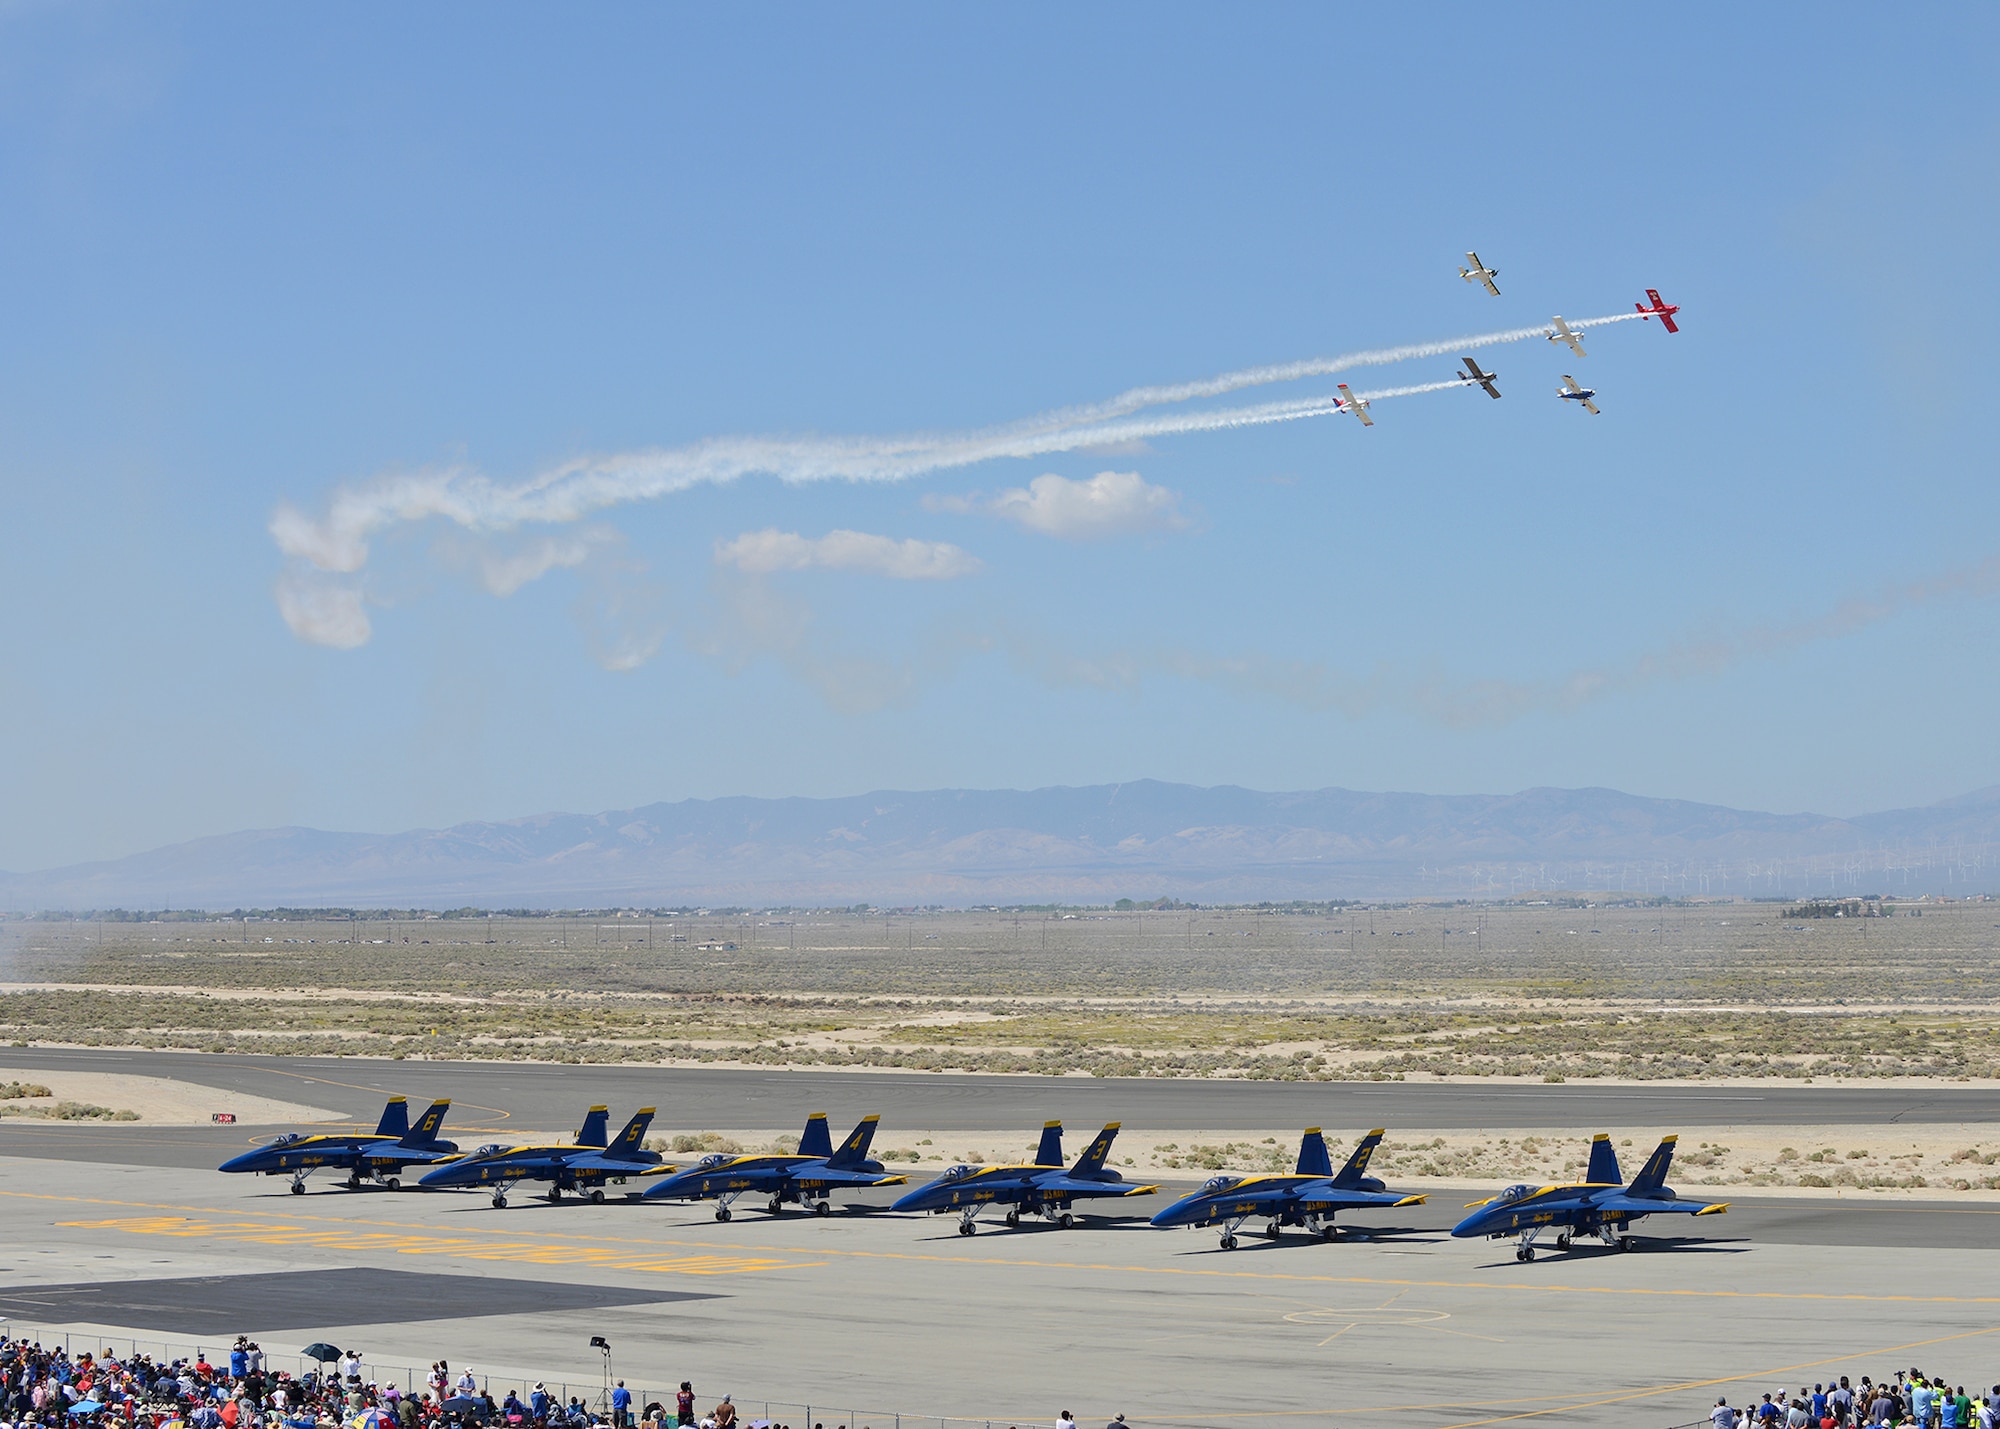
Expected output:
{"points": [[381, 1157], [1598, 1206], [1308, 1197], [1042, 1188], [584, 1168], [805, 1178]]}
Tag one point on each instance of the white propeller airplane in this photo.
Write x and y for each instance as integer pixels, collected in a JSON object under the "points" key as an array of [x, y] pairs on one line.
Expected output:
{"points": [[1472, 374], [1480, 273], [1570, 392], [1357, 405], [1564, 333]]}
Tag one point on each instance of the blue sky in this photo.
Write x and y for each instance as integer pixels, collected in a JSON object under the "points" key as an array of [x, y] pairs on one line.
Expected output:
{"points": [[262, 261]]}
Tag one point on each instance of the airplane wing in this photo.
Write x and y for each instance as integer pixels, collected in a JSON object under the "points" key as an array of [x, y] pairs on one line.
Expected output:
{"points": [[832, 1176], [1646, 1206], [1590, 407], [597, 1161], [1354, 1200], [1070, 1186]]}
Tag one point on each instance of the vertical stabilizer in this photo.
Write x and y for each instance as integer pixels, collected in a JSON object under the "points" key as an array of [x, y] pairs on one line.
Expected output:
{"points": [[816, 1140], [596, 1122], [1050, 1151], [1653, 1175], [395, 1119], [1603, 1163], [1313, 1160], [1093, 1158], [854, 1150], [633, 1138], [1356, 1168], [425, 1132]]}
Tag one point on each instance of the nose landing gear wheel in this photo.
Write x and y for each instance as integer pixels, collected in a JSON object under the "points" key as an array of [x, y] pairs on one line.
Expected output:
{"points": [[1229, 1242], [965, 1228], [499, 1202], [1526, 1252], [722, 1213], [297, 1189]]}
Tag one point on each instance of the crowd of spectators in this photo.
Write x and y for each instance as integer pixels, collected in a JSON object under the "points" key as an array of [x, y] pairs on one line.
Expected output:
{"points": [[1910, 1399], [53, 1389]]}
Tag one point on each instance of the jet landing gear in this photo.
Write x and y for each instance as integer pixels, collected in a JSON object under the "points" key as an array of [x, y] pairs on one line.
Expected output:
{"points": [[1323, 1228], [1229, 1232], [1526, 1249], [966, 1217], [299, 1180]]}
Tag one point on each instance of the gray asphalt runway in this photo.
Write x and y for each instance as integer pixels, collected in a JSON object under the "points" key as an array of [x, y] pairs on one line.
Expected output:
{"points": [[552, 1097]]}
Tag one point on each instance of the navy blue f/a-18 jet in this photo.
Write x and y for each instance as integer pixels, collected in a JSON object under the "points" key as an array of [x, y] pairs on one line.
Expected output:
{"points": [[805, 1178], [1598, 1206], [1308, 1197], [1041, 1189], [381, 1157], [585, 1168]]}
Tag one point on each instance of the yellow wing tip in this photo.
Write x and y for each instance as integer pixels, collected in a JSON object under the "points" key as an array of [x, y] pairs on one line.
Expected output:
{"points": [[1715, 1210], [1475, 1205], [1414, 1200]]}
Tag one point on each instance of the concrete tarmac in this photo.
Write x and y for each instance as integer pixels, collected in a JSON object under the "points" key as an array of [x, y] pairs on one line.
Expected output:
{"points": [[856, 1319]]}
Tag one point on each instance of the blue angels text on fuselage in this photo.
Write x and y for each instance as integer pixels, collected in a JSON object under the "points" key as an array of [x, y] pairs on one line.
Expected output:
{"points": [[1308, 1197], [806, 1178], [381, 1157], [585, 1168], [1044, 1188], [1598, 1205]]}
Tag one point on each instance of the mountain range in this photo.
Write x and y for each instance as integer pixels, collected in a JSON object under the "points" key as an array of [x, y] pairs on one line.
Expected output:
{"points": [[1078, 845]]}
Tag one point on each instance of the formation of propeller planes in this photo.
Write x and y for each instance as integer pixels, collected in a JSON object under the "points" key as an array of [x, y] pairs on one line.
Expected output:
{"points": [[1308, 1197], [1560, 331]]}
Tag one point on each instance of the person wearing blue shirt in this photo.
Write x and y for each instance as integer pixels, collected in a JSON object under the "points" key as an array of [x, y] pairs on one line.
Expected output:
{"points": [[621, 1407]]}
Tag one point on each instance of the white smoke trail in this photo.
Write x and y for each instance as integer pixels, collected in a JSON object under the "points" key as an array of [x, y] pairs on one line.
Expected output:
{"points": [[336, 541]]}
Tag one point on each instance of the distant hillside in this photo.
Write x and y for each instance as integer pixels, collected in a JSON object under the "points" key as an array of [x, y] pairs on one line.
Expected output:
{"points": [[1142, 840]]}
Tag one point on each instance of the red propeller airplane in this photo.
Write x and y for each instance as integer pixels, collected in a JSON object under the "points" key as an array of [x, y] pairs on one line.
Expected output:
{"points": [[1662, 310]]}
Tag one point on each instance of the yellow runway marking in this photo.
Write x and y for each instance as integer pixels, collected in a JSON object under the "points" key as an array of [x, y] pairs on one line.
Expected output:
{"points": [[530, 1252], [821, 1254]]}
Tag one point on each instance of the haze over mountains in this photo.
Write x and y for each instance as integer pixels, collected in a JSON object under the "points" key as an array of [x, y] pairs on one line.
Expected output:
{"points": [[1140, 840]]}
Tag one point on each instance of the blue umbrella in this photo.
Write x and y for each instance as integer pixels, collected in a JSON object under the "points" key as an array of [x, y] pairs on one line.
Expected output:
{"points": [[85, 1406]]}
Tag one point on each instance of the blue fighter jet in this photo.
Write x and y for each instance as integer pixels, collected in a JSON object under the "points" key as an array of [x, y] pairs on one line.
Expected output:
{"points": [[805, 1178], [1308, 1197], [1041, 1189], [381, 1157], [1598, 1206], [585, 1168]]}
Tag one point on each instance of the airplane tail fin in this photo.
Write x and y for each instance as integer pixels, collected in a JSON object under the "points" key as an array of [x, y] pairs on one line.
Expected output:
{"points": [[425, 1132], [816, 1140], [1356, 1168], [395, 1119], [1094, 1155], [1653, 1175], [854, 1150], [1313, 1160], [633, 1137], [1049, 1153], [596, 1122], [1603, 1163]]}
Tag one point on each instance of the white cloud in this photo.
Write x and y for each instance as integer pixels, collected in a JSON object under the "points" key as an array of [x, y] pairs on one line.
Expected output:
{"points": [[770, 550], [1112, 503], [323, 612]]}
